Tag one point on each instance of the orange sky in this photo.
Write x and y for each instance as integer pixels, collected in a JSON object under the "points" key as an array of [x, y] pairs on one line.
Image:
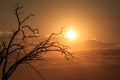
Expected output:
{"points": [[97, 19]]}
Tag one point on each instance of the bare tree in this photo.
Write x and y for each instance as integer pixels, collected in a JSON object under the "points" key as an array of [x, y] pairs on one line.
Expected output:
{"points": [[18, 48]]}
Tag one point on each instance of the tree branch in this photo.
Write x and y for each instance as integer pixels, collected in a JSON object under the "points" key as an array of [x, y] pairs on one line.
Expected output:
{"points": [[35, 70]]}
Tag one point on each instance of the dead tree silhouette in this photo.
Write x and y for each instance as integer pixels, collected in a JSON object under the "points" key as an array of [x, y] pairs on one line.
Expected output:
{"points": [[18, 49]]}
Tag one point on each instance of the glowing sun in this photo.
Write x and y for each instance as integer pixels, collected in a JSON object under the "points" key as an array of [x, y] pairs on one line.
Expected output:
{"points": [[71, 34]]}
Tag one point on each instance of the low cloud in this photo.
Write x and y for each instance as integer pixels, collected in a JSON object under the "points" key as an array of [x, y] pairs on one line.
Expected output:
{"points": [[4, 35], [1, 33], [96, 44]]}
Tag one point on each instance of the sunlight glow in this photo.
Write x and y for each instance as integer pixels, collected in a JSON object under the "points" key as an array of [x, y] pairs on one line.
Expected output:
{"points": [[71, 34]]}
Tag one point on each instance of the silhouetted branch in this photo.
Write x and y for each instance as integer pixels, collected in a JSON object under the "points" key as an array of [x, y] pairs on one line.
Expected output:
{"points": [[19, 48], [34, 31], [27, 18], [35, 70], [2, 51]]}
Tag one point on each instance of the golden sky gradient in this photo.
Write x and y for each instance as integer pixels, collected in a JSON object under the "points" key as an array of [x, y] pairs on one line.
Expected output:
{"points": [[92, 19]]}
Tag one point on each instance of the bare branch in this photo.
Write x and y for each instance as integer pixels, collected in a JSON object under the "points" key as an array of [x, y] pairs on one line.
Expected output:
{"points": [[19, 48], [17, 8], [35, 70], [23, 33], [34, 31], [27, 18]]}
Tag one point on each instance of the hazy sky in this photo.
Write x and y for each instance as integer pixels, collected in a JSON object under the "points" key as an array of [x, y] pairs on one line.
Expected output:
{"points": [[98, 19]]}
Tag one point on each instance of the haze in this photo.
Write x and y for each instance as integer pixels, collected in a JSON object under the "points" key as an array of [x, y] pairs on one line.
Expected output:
{"points": [[97, 19]]}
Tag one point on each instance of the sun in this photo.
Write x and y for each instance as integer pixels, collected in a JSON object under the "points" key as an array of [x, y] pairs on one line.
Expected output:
{"points": [[71, 34]]}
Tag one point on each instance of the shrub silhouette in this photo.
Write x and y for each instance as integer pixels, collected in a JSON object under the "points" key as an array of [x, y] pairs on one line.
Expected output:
{"points": [[18, 49]]}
